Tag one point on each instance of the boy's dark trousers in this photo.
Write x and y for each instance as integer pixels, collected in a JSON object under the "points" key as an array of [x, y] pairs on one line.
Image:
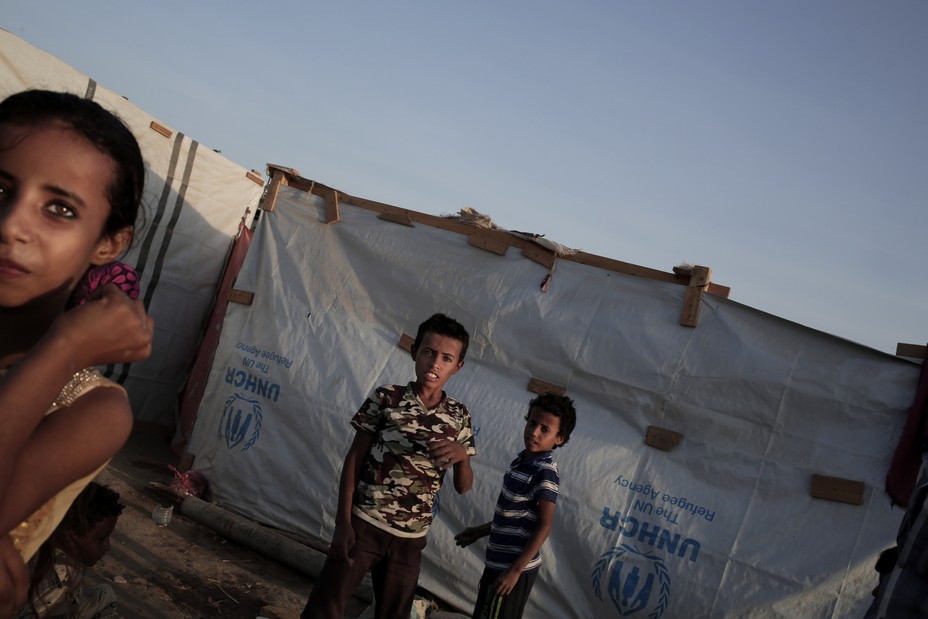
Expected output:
{"points": [[394, 565], [492, 606]]}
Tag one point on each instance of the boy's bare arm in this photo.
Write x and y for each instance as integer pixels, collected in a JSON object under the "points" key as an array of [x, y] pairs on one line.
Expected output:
{"points": [[507, 580], [463, 475], [343, 538], [351, 472]]}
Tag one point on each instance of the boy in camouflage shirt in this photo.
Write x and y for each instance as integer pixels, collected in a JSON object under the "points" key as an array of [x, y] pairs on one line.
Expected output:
{"points": [[406, 438]]}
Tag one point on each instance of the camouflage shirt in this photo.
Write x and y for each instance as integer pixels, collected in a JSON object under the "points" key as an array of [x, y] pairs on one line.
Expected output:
{"points": [[398, 480]]}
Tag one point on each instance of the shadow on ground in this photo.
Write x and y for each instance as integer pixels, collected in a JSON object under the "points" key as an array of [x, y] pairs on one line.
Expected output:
{"points": [[185, 570]]}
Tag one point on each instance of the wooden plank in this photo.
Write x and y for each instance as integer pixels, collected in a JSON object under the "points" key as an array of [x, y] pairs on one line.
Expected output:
{"points": [[484, 239], [626, 268], [912, 351], [241, 296], [544, 257], [273, 188], [273, 167], [406, 342], [838, 489], [397, 218], [331, 203], [608, 264], [662, 438], [301, 184], [541, 387], [159, 128], [699, 281], [255, 177]]}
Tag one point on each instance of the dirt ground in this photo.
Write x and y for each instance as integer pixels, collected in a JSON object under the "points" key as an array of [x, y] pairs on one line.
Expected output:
{"points": [[185, 570]]}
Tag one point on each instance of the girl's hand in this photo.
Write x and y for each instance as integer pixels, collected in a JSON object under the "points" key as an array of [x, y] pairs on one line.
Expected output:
{"points": [[111, 328]]}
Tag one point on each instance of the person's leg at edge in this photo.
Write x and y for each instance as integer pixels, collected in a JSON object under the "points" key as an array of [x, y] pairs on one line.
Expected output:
{"points": [[96, 602], [485, 594], [395, 578], [519, 595], [492, 606], [338, 581]]}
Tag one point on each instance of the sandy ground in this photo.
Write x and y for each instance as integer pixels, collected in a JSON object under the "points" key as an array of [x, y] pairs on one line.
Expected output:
{"points": [[185, 569]]}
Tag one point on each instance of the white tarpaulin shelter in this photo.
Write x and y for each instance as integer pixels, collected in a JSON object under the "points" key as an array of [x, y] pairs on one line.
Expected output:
{"points": [[194, 200], [733, 468]]}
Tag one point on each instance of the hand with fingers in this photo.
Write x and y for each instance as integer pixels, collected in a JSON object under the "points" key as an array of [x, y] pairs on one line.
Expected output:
{"points": [[446, 453], [342, 542], [110, 328], [471, 534]]}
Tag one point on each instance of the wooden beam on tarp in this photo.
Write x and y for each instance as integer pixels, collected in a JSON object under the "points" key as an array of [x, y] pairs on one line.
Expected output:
{"points": [[331, 204], [662, 438], [698, 284], [542, 387], [912, 351], [406, 342], [159, 128], [496, 241], [241, 296], [837, 489], [279, 176], [403, 220], [482, 238]]}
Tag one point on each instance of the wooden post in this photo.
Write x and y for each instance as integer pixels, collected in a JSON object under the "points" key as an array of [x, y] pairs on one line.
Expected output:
{"points": [[270, 197], [699, 282], [331, 203]]}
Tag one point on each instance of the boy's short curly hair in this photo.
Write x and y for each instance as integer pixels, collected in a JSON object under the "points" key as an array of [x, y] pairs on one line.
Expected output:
{"points": [[95, 503], [561, 407], [440, 324]]}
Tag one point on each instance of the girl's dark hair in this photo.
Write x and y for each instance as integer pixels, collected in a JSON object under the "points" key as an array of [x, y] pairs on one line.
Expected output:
{"points": [[560, 406], [98, 126], [440, 324]]}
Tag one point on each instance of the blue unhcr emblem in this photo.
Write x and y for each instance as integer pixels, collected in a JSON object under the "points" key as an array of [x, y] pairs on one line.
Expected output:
{"points": [[636, 582], [239, 414]]}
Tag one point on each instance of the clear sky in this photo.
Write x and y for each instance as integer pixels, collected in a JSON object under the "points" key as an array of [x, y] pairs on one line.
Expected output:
{"points": [[783, 144]]}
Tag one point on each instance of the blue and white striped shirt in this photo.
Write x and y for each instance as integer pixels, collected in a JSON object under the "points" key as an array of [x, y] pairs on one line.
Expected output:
{"points": [[530, 478]]}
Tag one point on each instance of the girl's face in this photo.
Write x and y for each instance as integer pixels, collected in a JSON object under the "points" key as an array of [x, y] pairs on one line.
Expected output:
{"points": [[53, 205]]}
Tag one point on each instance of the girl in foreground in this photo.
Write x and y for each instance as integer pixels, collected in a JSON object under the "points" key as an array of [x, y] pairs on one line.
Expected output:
{"points": [[71, 179]]}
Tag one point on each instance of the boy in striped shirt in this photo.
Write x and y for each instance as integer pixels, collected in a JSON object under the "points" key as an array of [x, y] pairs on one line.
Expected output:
{"points": [[524, 512]]}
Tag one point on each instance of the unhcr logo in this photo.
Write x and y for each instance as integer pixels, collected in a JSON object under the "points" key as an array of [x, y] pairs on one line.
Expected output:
{"points": [[636, 583], [241, 419]]}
